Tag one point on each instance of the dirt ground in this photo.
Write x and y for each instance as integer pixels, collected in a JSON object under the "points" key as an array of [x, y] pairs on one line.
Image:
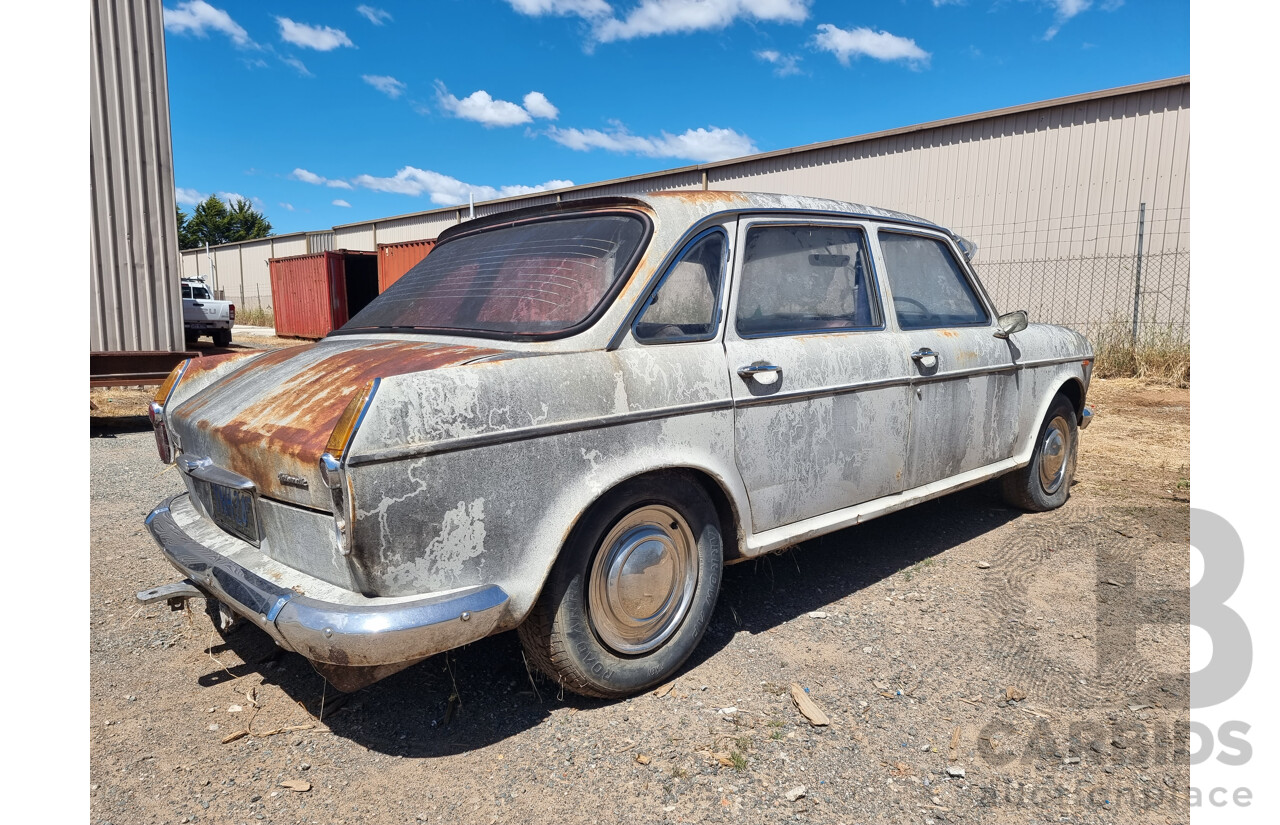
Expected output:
{"points": [[978, 665]]}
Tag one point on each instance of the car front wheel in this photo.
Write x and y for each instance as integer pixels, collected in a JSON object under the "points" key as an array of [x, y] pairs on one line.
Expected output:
{"points": [[633, 590], [1045, 483]]}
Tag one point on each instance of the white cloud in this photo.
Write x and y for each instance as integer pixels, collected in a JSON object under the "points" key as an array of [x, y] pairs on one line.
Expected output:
{"points": [[375, 16], [287, 206], [562, 8], [654, 17], [342, 203], [783, 64], [198, 18], [320, 38], [444, 190], [694, 144], [1064, 10], [188, 197], [481, 107], [846, 43], [312, 178], [536, 104], [297, 65], [386, 84]]}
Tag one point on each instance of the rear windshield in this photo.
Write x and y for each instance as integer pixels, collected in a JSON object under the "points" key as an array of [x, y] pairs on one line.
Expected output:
{"points": [[531, 279]]}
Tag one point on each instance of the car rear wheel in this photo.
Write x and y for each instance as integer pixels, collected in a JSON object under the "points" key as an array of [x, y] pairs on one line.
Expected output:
{"points": [[221, 337], [632, 592], [1045, 483]]}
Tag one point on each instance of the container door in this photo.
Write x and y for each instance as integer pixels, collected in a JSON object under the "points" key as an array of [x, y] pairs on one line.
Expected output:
{"points": [[335, 265]]}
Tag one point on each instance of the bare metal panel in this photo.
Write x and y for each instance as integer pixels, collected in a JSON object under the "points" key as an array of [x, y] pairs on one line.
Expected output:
{"points": [[319, 242], [133, 270]]}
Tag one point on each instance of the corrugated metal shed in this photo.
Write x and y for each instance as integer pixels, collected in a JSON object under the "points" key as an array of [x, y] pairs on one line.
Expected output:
{"points": [[133, 270], [1051, 188]]}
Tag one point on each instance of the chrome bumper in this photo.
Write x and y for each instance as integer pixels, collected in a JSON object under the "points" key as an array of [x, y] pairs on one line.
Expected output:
{"points": [[327, 632], [1086, 418]]}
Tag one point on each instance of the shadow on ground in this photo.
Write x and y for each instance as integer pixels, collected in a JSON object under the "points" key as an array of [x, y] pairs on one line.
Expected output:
{"points": [[417, 713]]}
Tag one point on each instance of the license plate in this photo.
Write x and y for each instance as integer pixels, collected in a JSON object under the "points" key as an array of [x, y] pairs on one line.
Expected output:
{"points": [[233, 510]]}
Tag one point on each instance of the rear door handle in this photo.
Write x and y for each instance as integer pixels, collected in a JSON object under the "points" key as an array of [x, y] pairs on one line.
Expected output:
{"points": [[925, 357], [757, 368]]}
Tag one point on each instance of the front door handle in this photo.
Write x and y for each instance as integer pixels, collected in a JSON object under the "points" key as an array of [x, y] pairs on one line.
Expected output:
{"points": [[925, 357], [760, 368]]}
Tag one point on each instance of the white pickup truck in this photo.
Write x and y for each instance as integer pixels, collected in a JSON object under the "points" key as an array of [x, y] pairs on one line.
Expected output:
{"points": [[202, 315]]}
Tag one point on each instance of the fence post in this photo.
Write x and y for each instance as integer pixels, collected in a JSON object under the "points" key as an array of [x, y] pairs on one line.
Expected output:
{"points": [[1137, 273]]}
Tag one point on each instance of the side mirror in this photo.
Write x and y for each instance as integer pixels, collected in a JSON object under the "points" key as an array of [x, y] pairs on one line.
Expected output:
{"points": [[1011, 322]]}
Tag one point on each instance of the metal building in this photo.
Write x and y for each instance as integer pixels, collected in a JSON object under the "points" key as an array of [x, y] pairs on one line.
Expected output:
{"points": [[1057, 195], [135, 305]]}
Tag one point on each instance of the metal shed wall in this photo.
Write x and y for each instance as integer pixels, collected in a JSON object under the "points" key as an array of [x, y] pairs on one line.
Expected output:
{"points": [[416, 227], [255, 269], [135, 303], [1055, 182], [357, 236]]}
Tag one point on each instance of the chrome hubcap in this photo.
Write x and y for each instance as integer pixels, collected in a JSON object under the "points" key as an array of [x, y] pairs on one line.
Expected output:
{"points": [[1054, 453], [642, 580]]}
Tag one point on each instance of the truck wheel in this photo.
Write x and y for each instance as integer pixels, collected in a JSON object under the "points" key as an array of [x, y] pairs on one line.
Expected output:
{"points": [[1045, 483], [632, 592], [221, 337]]}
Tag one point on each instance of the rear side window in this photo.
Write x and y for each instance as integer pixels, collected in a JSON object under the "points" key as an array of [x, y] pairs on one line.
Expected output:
{"points": [[929, 287], [684, 308], [805, 278]]}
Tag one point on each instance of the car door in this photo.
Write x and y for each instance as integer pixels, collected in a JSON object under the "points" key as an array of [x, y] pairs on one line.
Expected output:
{"points": [[965, 404], [821, 413]]}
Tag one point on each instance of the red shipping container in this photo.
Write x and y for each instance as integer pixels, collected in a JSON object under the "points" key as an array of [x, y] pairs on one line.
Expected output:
{"points": [[315, 294], [395, 259]]}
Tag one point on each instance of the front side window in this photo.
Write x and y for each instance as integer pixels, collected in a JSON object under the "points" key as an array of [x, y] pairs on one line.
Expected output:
{"points": [[536, 279], [684, 308], [805, 278], [929, 288]]}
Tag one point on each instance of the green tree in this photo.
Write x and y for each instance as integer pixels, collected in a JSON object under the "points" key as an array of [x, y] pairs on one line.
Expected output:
{"points": [[212, 222]]}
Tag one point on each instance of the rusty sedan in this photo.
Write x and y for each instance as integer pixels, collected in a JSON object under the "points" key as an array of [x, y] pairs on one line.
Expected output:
{"points": [[567, 419]]}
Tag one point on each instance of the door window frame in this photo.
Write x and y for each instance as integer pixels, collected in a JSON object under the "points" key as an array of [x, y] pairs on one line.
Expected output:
{"points": [[875, 289], [721, 287], [970, 277]]}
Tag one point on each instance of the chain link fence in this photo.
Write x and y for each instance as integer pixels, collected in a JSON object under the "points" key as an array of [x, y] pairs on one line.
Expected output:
{"points": [[1097, 295]]}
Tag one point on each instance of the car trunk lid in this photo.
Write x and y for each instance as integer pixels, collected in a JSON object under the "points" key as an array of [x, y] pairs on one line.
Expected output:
{"points": [[270, 420]]}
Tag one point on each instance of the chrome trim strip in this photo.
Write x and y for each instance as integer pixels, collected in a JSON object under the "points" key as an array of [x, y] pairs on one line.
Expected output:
{"points": [[205, 470], [1045, 362], [821, 392], [527, 433], [342, 634]]}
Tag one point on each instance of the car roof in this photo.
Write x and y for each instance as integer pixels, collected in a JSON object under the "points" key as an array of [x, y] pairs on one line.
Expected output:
{"points": [[685, 206]]}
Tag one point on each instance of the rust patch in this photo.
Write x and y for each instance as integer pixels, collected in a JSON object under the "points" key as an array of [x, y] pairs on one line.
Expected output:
{"points": [[701, 196], [287, 426], [948, 333], [208, 363]]}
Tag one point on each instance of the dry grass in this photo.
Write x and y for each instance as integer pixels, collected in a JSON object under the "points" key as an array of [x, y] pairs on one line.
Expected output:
{"points": [[257, 317], [1159, 356], [1138, 448]]}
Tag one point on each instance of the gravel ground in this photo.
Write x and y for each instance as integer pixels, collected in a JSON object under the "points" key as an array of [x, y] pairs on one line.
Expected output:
{"points": [[977, 665]]}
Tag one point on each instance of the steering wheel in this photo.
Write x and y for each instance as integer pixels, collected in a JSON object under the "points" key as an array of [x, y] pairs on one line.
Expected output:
{"points": [[923, 309]]}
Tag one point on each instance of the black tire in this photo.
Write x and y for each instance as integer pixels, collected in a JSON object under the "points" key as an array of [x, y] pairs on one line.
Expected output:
{"points": [[1045, 483], [574, 633], [221, 337]]}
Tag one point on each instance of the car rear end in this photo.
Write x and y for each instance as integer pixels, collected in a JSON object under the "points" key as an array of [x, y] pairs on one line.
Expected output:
{"points": [[263, 526]]}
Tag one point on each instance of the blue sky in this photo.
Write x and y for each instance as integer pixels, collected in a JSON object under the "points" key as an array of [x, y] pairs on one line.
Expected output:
{"points": [[330, 113]]}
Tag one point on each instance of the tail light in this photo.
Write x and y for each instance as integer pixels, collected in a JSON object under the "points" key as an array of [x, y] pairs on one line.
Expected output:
{"points": [[333, 462], [155, 411], [233, 313]]}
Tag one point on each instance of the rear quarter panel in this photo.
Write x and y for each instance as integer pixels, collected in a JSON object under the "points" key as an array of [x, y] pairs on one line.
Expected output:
{"points": [[478, 474]]}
